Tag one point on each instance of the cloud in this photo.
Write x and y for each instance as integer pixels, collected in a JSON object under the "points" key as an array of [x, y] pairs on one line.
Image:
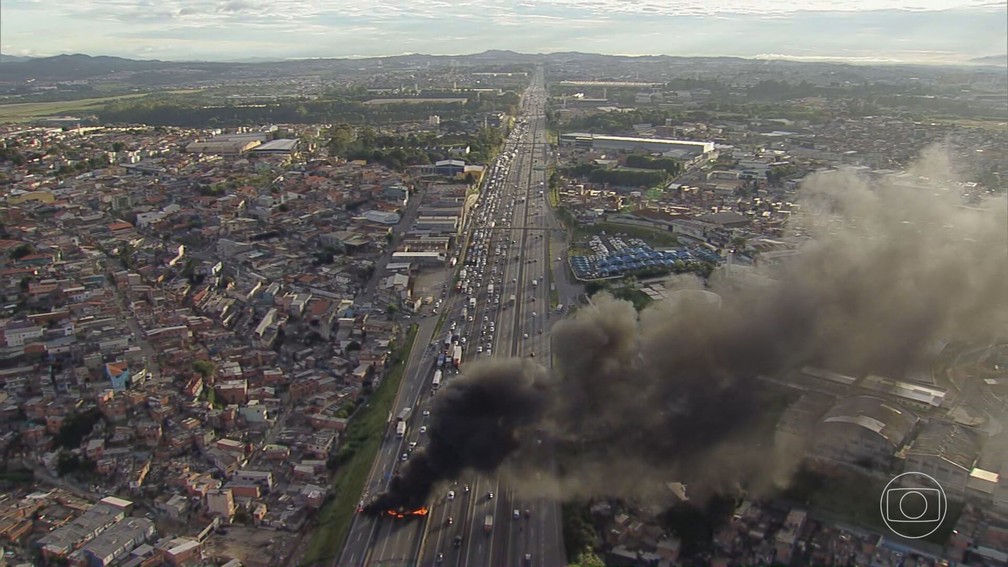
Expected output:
{"points": [[228, 28]]}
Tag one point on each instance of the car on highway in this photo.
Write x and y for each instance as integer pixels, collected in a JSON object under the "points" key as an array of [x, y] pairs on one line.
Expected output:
{"points": [[490, 496], [404, 457], [515, 514], [451, 495], [457, 542], [423, 429]]}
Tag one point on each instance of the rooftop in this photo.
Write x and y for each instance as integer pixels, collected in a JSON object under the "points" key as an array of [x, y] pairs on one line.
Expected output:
{"points": [[891, 422], [948, 441]]}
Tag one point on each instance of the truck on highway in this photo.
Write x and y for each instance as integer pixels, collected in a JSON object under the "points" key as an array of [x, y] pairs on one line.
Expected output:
{"points": [[404, 414], [490, 289], [535, 283], [472, 302], [512, 299], [488, 523], [436, 382], [457, 356], [400, 429], [440, 360]]}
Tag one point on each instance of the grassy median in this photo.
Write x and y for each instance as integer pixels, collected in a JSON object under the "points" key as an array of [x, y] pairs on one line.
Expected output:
{"points": [[360, 447]]}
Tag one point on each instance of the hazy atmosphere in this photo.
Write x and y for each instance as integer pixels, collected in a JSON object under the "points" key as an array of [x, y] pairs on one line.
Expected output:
{"points": [[936, 31]]}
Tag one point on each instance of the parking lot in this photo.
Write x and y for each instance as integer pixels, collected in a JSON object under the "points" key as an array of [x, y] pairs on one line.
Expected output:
{"points": [[616, 256]]}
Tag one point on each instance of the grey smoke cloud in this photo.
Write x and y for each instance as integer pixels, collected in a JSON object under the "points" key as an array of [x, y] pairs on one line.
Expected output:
{"points": [[887, 268]]}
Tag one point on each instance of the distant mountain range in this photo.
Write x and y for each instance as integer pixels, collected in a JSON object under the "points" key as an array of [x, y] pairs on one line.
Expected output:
{"points": [[1001, 60], [4, 58], [78, 66], [146, 73]]}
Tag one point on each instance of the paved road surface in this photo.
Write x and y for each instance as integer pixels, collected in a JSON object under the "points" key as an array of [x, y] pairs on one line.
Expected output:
{"points": [[523, 230]]}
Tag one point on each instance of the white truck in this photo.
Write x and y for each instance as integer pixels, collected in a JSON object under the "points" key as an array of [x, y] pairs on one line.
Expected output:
{"points": [[400, 429]]}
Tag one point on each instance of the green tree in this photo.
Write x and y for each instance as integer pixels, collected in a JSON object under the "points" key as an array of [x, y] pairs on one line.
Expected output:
{"points": [[578, 532], [21, 250], [75, 428], [588, 558], [341, 139], [204, 368]]}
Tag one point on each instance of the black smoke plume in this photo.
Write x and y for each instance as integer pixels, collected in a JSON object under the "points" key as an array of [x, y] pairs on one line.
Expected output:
{"points": [[476, 422], [883, 271]]}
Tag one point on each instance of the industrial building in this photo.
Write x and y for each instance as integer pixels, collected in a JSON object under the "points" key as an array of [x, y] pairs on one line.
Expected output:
{"points": [[223, 148], [280, 146], [864, 431], [228, 144], [421, 258], [447, 168], [947, 452], [682, 149]]}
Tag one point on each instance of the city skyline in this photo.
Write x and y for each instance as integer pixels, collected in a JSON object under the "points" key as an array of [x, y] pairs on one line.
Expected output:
{"points": [[935, 31]]}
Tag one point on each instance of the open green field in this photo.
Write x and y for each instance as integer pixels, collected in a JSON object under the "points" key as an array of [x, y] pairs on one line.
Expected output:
{"points": [[362, 441], [24, 111]]}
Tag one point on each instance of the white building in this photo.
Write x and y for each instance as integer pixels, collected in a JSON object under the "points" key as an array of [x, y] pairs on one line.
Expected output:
{"points": [[220, 502]]}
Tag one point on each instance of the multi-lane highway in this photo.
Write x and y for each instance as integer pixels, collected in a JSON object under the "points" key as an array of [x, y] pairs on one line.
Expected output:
{"points": [[502, 309]]}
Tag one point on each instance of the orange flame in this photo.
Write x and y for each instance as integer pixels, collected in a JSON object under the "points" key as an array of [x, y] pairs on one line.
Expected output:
{"points": [[422, 511]]}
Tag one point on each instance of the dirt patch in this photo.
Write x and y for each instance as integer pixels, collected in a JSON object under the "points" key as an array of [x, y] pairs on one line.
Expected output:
{"points": [[253, 547], [430, 282]]}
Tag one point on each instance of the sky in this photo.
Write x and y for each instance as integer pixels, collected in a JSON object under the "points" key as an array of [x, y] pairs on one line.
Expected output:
{"points": [[923, 31]]}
